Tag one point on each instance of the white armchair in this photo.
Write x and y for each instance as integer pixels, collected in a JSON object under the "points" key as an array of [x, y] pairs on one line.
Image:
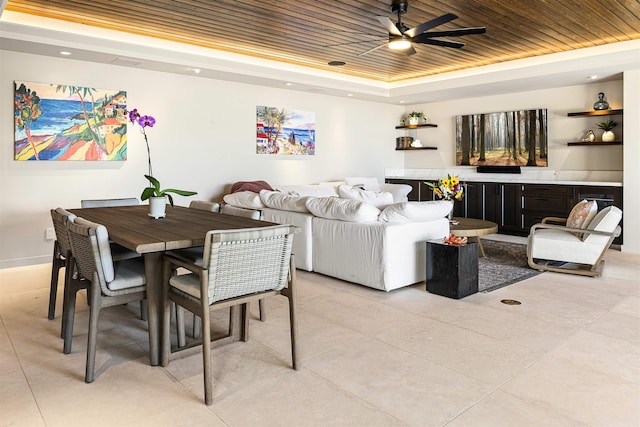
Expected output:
{"points": [[563, 249]]}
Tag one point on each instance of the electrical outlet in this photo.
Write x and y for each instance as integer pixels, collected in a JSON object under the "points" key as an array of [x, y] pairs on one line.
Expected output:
{"points": [[50, 233]]}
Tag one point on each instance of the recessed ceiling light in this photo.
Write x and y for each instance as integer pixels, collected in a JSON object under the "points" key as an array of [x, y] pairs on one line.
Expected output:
{"points": [[196, 70], [592, 77], [288, 84], [65, 53], [349, 94], [336, 63], [402, 102]]}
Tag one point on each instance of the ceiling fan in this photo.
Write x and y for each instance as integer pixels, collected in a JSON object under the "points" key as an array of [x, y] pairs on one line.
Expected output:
{"points": [[401, 38]]}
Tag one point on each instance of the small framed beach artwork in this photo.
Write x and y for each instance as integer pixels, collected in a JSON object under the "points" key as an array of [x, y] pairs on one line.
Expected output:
{"points": [[66, 122], [285, 132]]}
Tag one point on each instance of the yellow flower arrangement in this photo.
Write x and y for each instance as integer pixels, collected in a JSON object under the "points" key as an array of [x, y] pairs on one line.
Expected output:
{"points": [[448, 188]]}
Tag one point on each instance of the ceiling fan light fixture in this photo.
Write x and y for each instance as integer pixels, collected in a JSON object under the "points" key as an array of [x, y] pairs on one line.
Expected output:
{"points": [[400, 43]]}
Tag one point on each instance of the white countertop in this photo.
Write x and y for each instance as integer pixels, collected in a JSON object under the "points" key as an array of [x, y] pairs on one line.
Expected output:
{"points": [[528, 176]]}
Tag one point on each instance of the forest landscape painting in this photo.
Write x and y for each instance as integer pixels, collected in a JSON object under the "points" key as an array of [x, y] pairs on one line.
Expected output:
{"points": [[513, 138], [66, 122], [284, 132]]}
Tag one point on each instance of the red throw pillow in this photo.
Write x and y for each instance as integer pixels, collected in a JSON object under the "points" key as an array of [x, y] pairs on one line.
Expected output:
{"points": [[253, 186]]}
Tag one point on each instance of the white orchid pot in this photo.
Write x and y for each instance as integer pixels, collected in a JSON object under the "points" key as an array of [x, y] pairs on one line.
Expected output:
{"points": [[608, 136], [157, 207], [414, 121]]}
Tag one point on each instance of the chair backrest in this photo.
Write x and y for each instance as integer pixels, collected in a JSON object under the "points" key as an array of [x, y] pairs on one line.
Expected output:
{"points": [[91, 251], [60, 217], [606, 220], [233, 210], [245, 261], [205, 206], [103, 203]]}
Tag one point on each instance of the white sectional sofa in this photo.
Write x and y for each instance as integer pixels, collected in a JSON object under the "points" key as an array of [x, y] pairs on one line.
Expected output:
{"points": [[376, 245]]}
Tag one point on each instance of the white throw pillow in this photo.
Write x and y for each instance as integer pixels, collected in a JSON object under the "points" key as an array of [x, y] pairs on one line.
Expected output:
{"points": [[342, 209], [370, 184], [244, 199], [282, 201], [376, 198], [416, 211]]}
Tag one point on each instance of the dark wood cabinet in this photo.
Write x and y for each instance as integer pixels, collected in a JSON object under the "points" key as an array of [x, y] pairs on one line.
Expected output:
{"points": [[515, 207]]}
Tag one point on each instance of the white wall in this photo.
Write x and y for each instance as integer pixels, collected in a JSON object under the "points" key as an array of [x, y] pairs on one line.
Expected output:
{"points": [[561, 129], [631, 191], [204, 140]]}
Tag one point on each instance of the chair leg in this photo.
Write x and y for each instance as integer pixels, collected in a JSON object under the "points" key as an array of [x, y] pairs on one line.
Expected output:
{"points": [[144, 310], [196, 326], [293, 320], [94, 314], [206, 354], [56, 264], [182, 339], [263, 310], [244, 331], [68, 313]]}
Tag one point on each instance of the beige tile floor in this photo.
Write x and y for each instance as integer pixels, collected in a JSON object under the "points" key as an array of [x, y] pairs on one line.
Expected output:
{"points": [[568, 356]]}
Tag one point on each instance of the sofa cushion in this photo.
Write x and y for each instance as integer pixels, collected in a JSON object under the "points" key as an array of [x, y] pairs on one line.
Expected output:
{"points": [[306, 190], [416, 211], [400, 192], [378, 199], [582, 214], [244, 199], [283, 201], [367, 183], [342, 209]]}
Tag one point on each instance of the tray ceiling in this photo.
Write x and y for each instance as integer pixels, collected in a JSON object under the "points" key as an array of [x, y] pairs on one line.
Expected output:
{"points": [[301, 32]]}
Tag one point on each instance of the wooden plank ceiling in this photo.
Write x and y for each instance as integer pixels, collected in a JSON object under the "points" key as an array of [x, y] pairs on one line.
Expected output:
{"points": [[313, 32]]}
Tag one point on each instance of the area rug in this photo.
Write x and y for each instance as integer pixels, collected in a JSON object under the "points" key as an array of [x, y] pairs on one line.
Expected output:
{"points": [[504, 265]]}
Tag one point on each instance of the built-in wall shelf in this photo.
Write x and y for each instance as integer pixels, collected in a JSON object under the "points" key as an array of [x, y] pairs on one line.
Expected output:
{"points": [[596, 113], [426, 125], [416, 148], [595, 143]]}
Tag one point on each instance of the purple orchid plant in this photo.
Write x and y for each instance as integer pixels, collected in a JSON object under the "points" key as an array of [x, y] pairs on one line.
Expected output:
{"points": [[154, 189]]}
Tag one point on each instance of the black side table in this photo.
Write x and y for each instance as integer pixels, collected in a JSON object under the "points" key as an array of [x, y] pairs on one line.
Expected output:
{"points": [[452, 271]]}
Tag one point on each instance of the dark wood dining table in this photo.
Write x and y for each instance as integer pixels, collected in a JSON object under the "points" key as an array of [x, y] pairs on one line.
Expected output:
{"points": [[133, 228]]}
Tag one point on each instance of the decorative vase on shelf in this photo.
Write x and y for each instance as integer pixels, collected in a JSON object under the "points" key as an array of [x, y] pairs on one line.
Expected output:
{"points": [[601, 104], [157, 207], [413, 121], [608, 136]]}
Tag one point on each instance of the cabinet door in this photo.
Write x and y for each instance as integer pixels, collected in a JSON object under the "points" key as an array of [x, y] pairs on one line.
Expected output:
{"points": [[511, 208], [426, 192], [492, 202], [473, 200]]}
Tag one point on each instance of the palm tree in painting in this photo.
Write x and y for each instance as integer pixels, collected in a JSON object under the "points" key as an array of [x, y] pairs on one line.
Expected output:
{"points": [[82, 93], [27, 110], [273, 119]]}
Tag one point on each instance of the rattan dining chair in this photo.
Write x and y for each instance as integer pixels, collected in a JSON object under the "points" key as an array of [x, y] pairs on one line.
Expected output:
{"points": [[61, 257], [103, 203], [239, 266], [118, 252], [110, 283], [205, 206]]}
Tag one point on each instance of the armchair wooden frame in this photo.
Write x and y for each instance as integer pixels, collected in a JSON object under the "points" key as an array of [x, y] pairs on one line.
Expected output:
{"points": [[553, 223]]}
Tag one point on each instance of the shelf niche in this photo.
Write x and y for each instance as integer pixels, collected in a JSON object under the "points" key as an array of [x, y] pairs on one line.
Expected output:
{"points": [[595, 143], [416, 148]]}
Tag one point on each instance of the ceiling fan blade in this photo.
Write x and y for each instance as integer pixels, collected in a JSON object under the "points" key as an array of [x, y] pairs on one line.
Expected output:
{"points": [[436, 42], [389, 25], [455, 33], [372, 49], [430, 24]]}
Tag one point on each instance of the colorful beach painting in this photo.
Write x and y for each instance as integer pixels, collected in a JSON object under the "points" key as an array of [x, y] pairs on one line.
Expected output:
{"points": [[284, 132], [66, 122]]}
